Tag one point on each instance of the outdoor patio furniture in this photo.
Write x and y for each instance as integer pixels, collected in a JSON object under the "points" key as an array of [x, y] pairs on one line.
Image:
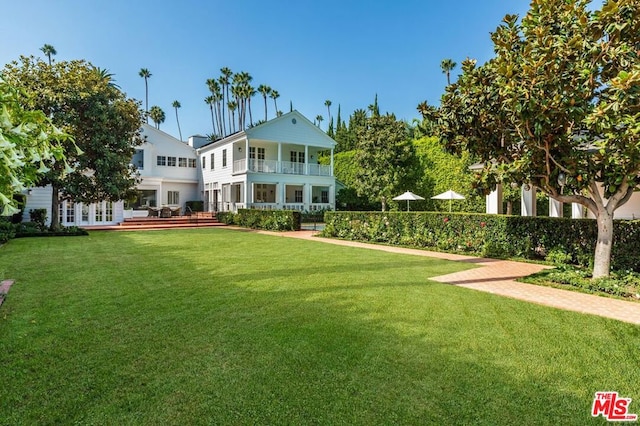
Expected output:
{"points": [[165, 212], [175, 212], [152, 212]]}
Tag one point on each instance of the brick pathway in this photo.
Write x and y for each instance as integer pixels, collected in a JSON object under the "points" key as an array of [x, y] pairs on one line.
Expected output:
{"points": [[498, 277]]}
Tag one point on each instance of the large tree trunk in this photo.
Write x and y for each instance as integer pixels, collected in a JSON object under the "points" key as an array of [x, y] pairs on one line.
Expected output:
{"points": [[55, 207], [602, 259], [383, 200]]}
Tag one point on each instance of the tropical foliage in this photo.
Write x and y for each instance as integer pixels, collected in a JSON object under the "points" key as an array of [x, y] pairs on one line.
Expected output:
{"points": [[29, 143], [558, 107], [100, 118]]}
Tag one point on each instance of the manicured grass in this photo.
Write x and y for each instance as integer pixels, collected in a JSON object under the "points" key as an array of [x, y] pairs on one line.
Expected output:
{"points": [[228, 327]]}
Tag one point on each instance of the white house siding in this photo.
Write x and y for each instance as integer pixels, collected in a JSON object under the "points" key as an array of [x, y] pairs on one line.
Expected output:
{"points": [[234, 186], [72, 213]]}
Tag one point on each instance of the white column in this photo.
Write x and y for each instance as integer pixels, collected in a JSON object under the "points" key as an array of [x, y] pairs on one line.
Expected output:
{"points": [[283, 194], [555, 208], [331, 163], [494, 201], [528, 201], [306, 159], [306, 196], [279, 167], [577, 211], [332, 193]]}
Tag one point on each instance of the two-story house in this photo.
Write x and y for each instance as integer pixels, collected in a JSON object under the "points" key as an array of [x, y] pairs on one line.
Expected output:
{"points": [[273, 165]]}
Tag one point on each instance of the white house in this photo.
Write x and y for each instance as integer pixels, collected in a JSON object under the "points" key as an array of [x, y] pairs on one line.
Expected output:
{"points": [[281, 171], [273, 165], [169, 177]]}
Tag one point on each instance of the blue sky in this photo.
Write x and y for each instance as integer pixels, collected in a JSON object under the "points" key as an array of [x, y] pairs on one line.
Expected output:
{"points": [[341, 50]]}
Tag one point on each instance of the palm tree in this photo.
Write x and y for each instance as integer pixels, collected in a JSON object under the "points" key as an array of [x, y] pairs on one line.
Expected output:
{"points": [[275, 95], [319, 119], [177, 105], [144, 73], [327, 103], [224, 81], [447, 65], [265, 91], [232, 105], [210, 100], [105, 76], [49, 50], [217, 96], [157, 115], [251, 92]]}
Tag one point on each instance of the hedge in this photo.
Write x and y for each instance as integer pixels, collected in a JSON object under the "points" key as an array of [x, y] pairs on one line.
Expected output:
{"points": [[489, 235], [270, 220]]}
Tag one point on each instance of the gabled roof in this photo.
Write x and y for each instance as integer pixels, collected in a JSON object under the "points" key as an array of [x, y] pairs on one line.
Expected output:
{"points": [[292, 127], [152, 135]]}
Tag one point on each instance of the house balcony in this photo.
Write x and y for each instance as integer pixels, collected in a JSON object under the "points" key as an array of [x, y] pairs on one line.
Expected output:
{"points": [[283, 167]]}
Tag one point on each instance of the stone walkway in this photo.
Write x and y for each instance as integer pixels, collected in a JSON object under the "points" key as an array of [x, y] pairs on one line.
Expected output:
{"points": [[498, 277]]}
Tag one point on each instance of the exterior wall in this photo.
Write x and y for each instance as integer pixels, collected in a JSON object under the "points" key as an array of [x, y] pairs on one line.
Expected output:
{"points": [[278, 137], [40, 198]]}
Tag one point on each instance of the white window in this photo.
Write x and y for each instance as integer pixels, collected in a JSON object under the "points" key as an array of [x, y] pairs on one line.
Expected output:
{"points": [[161, 160], [182, 162], [173, 197], [192, 163], [204, 162], [71, 212], [298, 196], [171, 161], [138, 159], [224, 158], [324, 195], [212, 162]]}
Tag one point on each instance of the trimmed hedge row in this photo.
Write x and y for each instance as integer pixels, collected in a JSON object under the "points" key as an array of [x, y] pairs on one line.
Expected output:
{"points": [[489, 235], [270, 220]]}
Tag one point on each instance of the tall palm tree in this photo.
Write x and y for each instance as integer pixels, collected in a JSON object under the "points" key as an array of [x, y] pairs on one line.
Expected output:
{"points": [[225, 80], [447, 66], [232, 105], [275, 95], [49, 50], [265, 91], [144, 73], [217, 96], [319, 119], [210, 100], [251, 92], [157, 115], [327, 103], [177, 105]]}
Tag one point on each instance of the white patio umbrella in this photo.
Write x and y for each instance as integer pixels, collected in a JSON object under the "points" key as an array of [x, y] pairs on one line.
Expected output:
{"points": [[449, 195], [409, 196]]}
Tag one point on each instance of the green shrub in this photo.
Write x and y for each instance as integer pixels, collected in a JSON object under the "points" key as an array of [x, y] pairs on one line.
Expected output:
{"points": [[271, 220], [7, 231], [38, 216], [226, 217], [560, 240]]}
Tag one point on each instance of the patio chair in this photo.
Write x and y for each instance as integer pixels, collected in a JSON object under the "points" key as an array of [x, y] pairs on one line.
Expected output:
{"points": [[165, 212], [175, 212], [152, 212]]}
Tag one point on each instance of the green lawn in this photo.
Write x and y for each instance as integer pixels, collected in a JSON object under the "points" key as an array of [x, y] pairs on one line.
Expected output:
{"points": [[226, 327]]}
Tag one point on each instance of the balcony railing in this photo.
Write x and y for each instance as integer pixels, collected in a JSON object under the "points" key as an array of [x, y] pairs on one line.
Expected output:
{"points": [[285, 167]]}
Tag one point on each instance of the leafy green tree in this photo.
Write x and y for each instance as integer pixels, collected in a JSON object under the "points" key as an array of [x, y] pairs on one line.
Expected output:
{"points": [[157, 115], [102, 121], [447, 65], [144, 73], [386, 159], [29, 143], [49, 50], [558, 107], [175, 106]]}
